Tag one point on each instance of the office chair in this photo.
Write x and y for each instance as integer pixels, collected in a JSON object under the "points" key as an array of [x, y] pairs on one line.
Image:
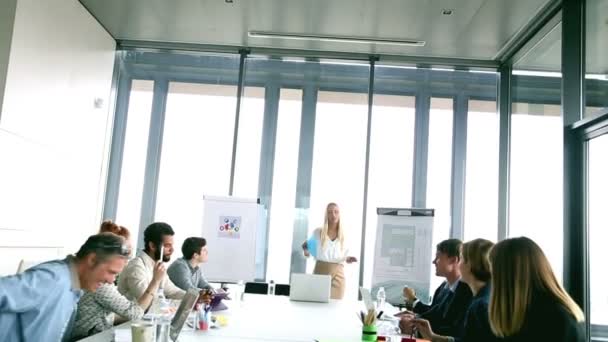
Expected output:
{"points": [[281, 290], [257, 288]]}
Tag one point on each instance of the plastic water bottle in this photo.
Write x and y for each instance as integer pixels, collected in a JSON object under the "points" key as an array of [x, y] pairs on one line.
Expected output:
{"points": [[271, 288], [158, 303], [240, 290], [163, 317], [380, 298], [196, 313], [203, 318], [163, 328]]}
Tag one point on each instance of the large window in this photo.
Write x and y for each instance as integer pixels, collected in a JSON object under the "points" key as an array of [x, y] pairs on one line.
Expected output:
{"points": [[536, 198], [481, 183], [282, 213], [598, 234], [596, 85], [247, 167], [128, 210], [196, 153], [391, 163], [536, 184], [338, 169], [304, 125], [438, 194]]}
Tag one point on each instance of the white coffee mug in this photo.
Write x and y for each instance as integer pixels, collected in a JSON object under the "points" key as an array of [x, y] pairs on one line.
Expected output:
{"points": [[142, 332]]}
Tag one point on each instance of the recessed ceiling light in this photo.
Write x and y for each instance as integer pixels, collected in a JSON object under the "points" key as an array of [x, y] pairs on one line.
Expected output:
{"points": [[447, 11], [340, 39]]}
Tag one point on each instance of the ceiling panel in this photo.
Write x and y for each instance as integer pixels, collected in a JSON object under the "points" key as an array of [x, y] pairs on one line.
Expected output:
{"points": [[477, 29], [597, 37], [545, 55]]}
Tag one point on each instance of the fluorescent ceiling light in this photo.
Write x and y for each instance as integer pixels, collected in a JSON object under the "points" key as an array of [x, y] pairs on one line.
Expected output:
{"points": [[600, 77], [482, 71], [293, 59], [442, 69], [340, 39], [395, 66], [537, 73], [343, 62]]}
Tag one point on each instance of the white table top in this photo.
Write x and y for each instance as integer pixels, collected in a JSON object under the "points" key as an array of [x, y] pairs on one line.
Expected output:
{"points": [[262, 318]]}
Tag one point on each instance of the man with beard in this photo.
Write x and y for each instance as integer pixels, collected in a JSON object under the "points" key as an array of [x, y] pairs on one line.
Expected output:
{"points": [[137, 275]]}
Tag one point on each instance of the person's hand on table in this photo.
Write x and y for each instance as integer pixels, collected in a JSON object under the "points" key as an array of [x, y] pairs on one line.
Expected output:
{"points": [[406, 324], [424, 327], [404, 313], [205, 296]]}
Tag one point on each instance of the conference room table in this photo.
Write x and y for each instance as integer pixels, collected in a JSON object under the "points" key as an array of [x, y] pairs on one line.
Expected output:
{"points": [[263, 318]]}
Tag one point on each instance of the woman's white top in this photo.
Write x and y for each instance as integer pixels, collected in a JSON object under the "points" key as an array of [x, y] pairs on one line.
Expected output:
{"points": [[333, 251]]}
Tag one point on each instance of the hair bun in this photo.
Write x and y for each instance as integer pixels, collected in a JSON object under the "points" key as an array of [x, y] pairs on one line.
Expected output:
{"points": [[109, 226], [124, 232]]}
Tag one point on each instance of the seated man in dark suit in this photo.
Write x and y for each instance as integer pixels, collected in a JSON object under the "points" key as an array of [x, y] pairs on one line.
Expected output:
{"points": [[451, 299]]}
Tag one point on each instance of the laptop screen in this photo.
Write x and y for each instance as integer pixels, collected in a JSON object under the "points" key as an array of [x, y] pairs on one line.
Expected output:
{"points": [[310, 287], [181, 315]]}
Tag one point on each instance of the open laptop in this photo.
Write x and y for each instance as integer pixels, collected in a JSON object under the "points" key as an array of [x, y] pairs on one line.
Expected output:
{"points": [[216, 302], [181, 315], [310, 287]]}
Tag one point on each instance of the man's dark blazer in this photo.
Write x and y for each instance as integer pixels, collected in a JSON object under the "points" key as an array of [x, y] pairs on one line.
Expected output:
{"points": [[447, 313]]}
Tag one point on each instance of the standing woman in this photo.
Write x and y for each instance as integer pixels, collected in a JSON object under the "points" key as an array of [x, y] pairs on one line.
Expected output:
{"points": [[527, 303], [327, 246]]}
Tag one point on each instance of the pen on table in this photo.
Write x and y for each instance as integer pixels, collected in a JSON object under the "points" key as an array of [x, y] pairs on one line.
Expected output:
{"points": [[379, 315]]}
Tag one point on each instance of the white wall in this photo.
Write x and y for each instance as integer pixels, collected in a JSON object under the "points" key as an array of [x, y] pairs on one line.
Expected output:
{"points": [[7, 19], [53, 141]]}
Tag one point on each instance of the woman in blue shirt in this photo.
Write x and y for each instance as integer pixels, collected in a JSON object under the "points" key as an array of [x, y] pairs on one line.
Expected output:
{"points": [[475, 270]]}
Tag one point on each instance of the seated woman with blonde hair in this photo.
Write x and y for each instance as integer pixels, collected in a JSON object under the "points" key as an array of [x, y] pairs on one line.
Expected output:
{"points": [[527, 302], [475, 271]]}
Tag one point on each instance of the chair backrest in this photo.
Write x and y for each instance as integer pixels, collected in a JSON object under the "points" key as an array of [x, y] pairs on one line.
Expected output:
{"points": [[257, 288], [25, 264], [281, 290]]}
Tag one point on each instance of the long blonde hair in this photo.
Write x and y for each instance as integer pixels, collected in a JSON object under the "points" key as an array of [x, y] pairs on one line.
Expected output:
{"points": [[521, 271], [325, 229]]}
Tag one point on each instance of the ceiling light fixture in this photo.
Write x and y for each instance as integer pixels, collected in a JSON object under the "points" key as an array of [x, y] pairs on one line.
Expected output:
{"points": [[339, 39]]}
